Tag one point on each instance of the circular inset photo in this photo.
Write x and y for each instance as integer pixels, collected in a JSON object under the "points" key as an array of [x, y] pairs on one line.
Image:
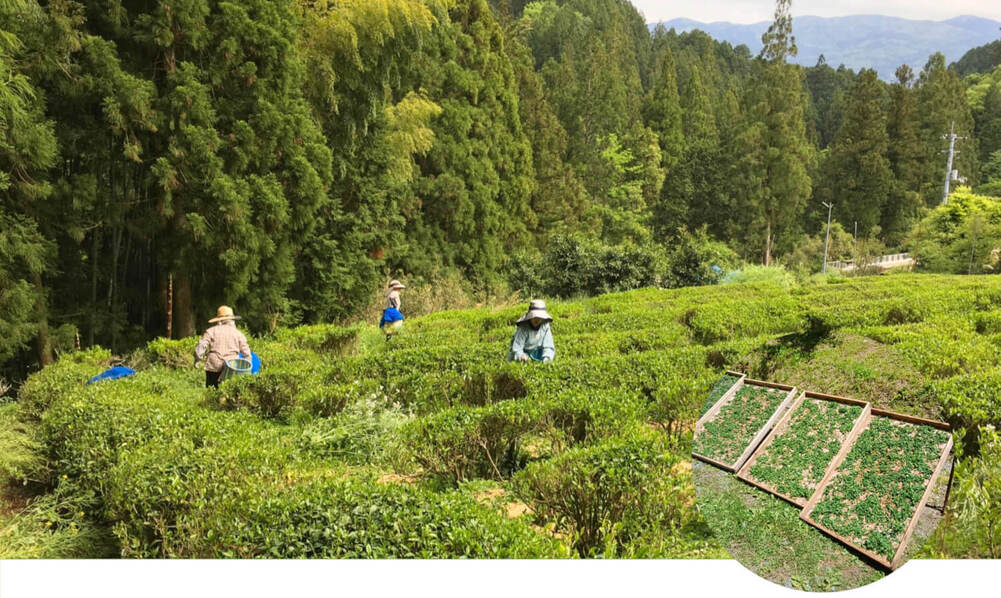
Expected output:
{"points": [[822, 468]]}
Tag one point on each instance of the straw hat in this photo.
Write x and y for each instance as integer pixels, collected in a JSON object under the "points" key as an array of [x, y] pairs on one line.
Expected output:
{"points": [[536, 309], [223, 313], [395, 284]]}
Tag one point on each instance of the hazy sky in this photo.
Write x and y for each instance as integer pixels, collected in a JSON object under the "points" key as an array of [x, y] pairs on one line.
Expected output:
{"points": [[752, 11]]}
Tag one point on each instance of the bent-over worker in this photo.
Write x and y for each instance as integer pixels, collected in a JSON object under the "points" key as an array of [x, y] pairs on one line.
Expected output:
{"points": [[533, 339], [220, 343]]}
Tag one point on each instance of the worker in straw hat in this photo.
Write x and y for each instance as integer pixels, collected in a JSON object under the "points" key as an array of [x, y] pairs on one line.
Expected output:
{"points": [[221, 343], [392, 318], [533, 339], [393, 295]]}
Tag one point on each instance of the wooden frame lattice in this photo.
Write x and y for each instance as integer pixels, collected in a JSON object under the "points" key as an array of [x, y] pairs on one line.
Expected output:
{"points": [[776, 426], [724, 400], [898, 555], [782, 426]]}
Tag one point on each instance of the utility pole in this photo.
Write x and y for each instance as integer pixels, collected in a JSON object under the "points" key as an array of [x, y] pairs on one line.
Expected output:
{"points": [[827, 241], [855, 246], [952, 137]]}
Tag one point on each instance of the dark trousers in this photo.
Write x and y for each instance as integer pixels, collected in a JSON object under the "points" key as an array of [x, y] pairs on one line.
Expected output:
{"points": [[212, 378]]}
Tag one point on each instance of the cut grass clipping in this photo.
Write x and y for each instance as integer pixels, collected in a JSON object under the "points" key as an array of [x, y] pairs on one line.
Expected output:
{"points": [[881, 481], [726, 437], [794, 463]]}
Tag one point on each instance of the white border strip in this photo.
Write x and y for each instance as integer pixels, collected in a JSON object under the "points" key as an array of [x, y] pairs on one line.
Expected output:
{"points": [[479, 579]]}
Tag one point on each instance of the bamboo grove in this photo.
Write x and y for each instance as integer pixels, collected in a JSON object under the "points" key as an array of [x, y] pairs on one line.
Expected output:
{"points": [[160, 157]]}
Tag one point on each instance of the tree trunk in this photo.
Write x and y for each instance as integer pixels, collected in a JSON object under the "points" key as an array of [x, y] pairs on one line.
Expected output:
{"points": [[95, 244], [184, 312], [170, 307], [43, 343], [116, 250], [768, 244]]}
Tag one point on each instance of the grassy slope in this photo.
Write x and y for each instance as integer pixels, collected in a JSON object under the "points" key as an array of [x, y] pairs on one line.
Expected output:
{"points": [[651, 356]]}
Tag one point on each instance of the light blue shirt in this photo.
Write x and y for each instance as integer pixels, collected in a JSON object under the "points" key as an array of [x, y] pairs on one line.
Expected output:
{"points": [[537, 344]]}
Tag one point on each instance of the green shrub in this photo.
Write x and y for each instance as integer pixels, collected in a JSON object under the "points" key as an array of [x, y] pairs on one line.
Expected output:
{"points": [[270, 394], [574, 418], [972, 402], [975, 505], [464, 443], [750, 273], [58, 525], [178, 353], [338, 519], [93, 356], [322, 338], [40, 389], [87, 429], [722, 321], [605, 428], [987, 322], [580, 266], [599, 494], [695, 260], [20, 452], [364, 433]]}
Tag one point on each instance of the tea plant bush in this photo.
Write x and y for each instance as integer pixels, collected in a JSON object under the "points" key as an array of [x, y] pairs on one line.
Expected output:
{"points": [[346, 445], [604, 491], [20, 457], [974, 528]]}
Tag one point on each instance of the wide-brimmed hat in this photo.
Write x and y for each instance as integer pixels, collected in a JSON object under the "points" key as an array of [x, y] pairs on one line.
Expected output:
{"points": [[395, 284], [223, 313], [536, 309]]}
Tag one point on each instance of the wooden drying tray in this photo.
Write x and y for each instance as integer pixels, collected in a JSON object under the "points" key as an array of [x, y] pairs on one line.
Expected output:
{"points": [[723, 400], [781, 427], [898, 556]]}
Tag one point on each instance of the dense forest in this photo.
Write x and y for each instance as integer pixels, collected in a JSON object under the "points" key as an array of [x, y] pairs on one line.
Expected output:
{"points": [[159, 158]]}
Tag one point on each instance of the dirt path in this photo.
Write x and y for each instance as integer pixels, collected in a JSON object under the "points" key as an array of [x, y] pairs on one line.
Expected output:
{"points": [[13, 499]]}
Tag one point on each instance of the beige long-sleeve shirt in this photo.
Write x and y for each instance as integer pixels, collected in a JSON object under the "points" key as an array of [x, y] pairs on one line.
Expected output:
{"points": [[219, 344], [393, 299]]}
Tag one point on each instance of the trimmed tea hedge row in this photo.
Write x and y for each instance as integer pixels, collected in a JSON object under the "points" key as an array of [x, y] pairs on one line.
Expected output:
{"points": [[182, 481], [269, 465]]}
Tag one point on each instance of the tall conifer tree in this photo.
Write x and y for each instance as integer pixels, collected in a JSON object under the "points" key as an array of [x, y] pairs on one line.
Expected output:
{"points": [[858, 172], [664, 116], [774, 148], [27, 149], [905, 154], [703, 159]]}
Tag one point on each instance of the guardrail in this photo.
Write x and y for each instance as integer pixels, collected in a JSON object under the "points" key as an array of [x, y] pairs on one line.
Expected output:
{"points": [[883, 261]]}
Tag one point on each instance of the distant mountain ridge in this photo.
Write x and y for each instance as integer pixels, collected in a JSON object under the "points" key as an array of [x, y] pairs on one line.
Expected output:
{"points": [[862, 41]]}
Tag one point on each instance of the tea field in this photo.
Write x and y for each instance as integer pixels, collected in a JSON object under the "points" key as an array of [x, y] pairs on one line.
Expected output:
{"points": [[432, 446]]}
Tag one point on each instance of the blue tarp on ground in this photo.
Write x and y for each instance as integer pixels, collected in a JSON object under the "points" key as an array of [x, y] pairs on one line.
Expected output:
{"points": [[113, 374]]}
